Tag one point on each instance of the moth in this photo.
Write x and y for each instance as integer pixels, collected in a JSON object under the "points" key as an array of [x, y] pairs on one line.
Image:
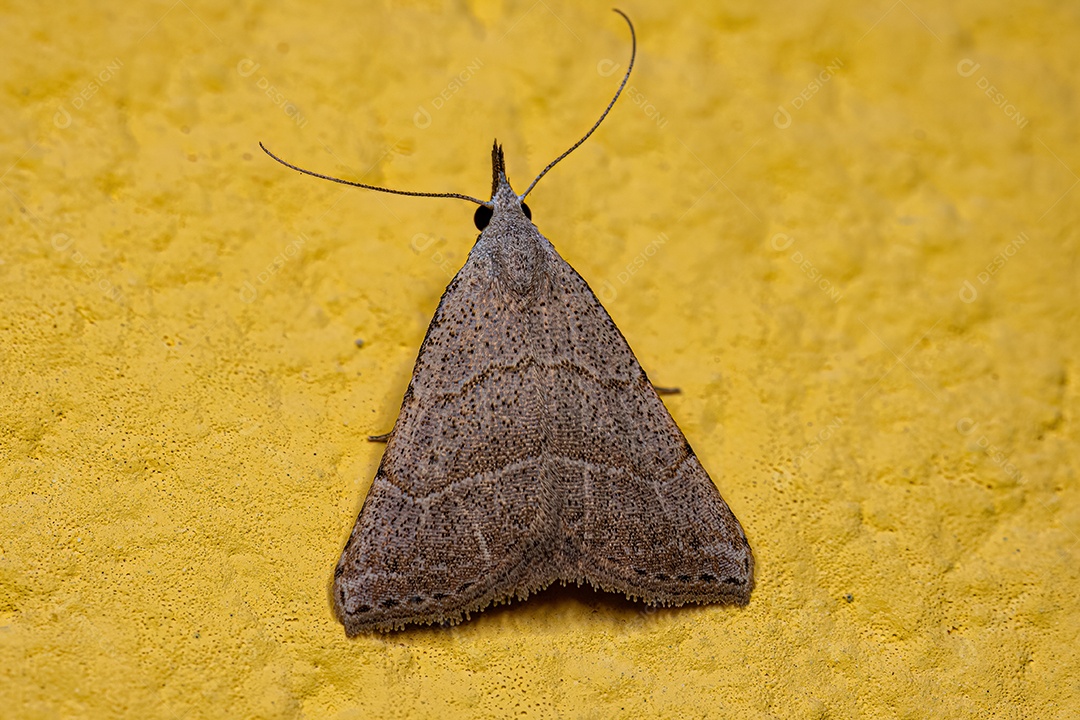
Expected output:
{"points": [[531, 448]]}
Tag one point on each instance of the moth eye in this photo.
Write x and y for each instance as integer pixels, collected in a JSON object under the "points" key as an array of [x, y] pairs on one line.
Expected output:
{"points": [[525, 209], [482, 217]]}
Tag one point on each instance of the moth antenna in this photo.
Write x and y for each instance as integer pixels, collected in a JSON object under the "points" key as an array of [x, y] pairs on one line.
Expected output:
{"points": [[633, 54], [374, 187]]}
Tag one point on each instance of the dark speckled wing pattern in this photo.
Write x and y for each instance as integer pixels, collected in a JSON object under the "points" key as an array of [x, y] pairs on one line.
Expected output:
{"points": [[531, 448]]}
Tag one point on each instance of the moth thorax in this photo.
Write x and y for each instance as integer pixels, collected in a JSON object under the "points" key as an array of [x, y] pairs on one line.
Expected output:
{"points": [[518, 255]]}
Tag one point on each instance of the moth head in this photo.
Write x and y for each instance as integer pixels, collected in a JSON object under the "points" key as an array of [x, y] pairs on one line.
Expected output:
{"points": [[503, 198]]}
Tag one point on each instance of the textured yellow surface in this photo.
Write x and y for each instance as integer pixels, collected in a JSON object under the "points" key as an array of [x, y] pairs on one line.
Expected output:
{"points": [[846, 230]]}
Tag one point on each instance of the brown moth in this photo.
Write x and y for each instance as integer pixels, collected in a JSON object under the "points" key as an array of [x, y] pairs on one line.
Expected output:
{"points": [[531, 448]]}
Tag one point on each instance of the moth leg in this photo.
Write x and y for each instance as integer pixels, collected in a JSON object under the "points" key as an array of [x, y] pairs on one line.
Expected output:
{"points": [[385, 437], [665, 390]]}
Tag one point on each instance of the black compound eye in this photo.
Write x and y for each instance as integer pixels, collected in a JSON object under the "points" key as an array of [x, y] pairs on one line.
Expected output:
{"points": [[525, 209], [482, 217]]}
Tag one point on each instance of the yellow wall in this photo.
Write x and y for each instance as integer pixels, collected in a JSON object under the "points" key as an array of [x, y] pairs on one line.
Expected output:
{"points": [[183, 406]]}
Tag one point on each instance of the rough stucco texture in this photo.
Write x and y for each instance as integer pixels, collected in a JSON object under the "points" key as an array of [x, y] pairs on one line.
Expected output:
{"points": [[848, 232]]}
